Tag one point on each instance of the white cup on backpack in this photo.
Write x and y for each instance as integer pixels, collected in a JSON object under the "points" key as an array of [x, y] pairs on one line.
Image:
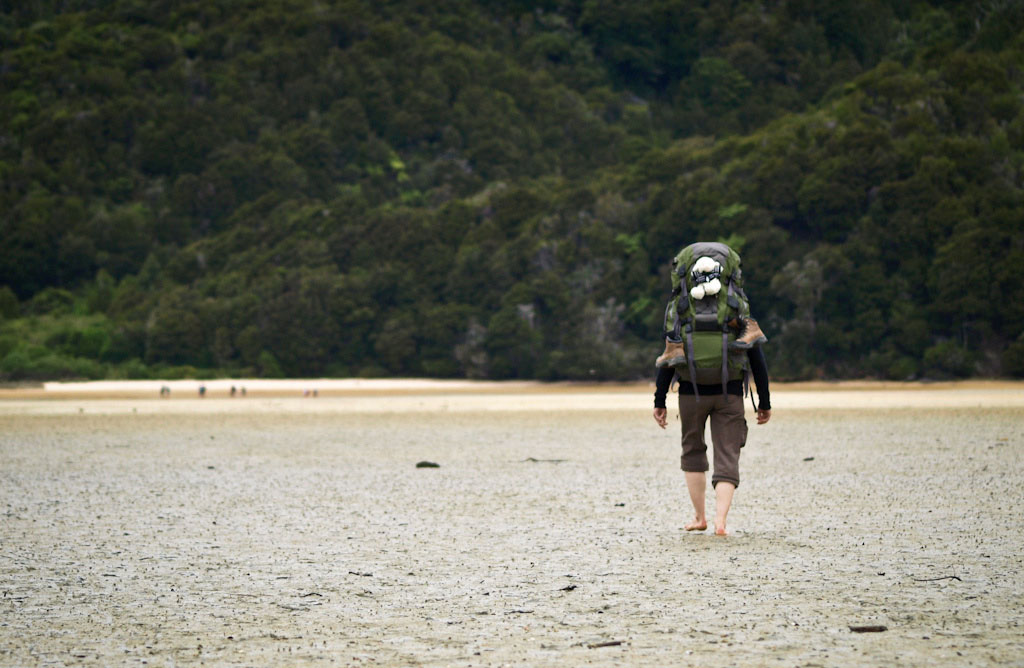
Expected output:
{"points": [[702, 268]]}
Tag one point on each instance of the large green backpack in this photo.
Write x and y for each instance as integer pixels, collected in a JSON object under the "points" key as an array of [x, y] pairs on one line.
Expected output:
{"points": [[708, 323]]}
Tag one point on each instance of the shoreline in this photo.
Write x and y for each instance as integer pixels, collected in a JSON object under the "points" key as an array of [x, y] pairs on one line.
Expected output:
{"points": [[349, 396], [371, 386]]}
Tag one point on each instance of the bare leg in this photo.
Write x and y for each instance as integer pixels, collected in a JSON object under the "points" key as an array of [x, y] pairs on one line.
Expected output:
{"points": [[696, 484], [723, 499]]}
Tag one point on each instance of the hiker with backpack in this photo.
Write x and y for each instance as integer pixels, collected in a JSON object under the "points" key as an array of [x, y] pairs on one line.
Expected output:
{"points": [[712, 346]]}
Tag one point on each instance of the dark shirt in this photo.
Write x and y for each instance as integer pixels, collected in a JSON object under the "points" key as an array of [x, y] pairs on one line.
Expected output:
{"points": [[758, 368]]}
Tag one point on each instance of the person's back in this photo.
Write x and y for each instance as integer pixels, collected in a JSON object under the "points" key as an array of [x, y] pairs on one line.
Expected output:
{"points": [[712, 346]]}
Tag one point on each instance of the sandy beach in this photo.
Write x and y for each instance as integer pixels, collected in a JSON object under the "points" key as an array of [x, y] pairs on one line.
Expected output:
{"points": [[287, 529]]}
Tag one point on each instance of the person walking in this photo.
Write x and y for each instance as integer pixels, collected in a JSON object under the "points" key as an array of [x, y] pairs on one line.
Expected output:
{"points": [[728, 433]]}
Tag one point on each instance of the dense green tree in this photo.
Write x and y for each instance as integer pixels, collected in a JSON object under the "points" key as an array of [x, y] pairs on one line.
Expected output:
{"points": [[449, 188]]}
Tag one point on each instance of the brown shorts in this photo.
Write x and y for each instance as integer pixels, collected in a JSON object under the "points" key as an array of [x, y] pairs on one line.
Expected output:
{"points": [[728, 434]]}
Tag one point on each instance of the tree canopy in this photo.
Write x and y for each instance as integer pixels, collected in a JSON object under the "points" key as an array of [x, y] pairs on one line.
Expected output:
{"points": [[495, 189]]}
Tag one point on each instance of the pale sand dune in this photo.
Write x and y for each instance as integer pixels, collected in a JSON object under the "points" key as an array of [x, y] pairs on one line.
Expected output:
{"points": [[281, 530]]}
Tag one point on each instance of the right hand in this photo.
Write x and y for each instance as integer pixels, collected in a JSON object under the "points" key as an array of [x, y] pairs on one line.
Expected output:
{"points": [[660, 416]]}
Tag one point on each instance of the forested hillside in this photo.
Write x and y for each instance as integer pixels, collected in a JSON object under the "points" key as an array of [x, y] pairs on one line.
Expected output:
{"points": [[495, 189]]}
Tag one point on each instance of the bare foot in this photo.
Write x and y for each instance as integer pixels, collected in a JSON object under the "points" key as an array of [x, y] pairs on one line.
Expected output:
{"points": [[697, 525], [720, 530]]}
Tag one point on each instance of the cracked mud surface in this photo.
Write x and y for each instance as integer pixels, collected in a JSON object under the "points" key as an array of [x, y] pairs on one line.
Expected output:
{"points": [[137, 532]]}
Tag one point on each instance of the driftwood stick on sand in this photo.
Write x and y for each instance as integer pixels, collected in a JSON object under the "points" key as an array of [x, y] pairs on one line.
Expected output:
{"points": [[871, 628]]}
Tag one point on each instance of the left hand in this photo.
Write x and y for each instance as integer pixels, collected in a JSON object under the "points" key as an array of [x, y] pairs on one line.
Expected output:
{"points": [[763, 415]]}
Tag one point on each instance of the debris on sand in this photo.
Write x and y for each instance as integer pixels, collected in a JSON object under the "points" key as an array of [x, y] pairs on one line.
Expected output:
{"points": [[427, 465], [870, 628], [610, 643]]}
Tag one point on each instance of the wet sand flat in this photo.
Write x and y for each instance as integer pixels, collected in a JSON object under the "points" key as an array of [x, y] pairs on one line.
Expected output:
{"points": [[285, 530]]}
